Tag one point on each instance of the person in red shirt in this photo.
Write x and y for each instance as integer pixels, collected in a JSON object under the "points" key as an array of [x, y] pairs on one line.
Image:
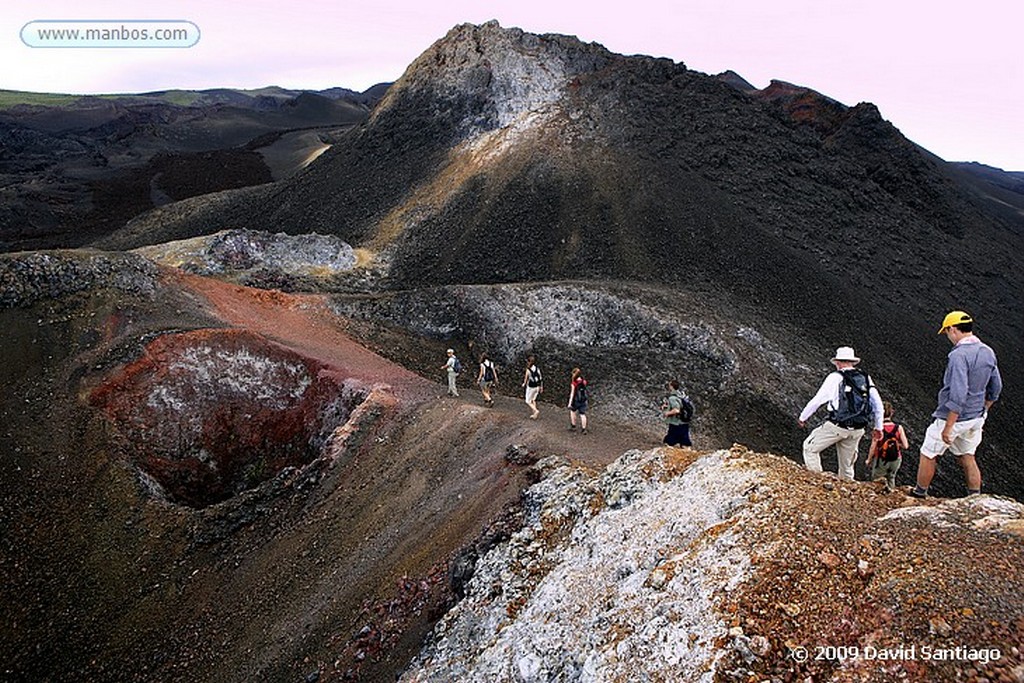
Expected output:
{"points": [[886, 455], [578, 401]]}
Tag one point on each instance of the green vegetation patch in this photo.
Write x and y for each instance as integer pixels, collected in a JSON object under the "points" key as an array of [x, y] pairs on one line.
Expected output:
{"points": [[10, 98]]}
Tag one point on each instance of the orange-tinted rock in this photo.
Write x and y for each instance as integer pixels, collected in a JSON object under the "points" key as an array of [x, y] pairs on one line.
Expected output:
{"points": [[210, 413]]}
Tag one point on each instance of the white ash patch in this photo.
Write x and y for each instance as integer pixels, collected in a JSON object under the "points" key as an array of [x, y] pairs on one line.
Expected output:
{"points": [[992, 505], [932, 515], [510, 319], [985, 513], [275, 383], [771, 354], [488, 145], [626, 592]]}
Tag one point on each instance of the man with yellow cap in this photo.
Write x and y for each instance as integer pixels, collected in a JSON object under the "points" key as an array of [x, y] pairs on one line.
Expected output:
{"points": [[969, 388]]}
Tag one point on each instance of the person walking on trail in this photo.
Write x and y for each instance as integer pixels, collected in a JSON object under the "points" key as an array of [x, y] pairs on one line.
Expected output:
{"points": [[853, 406], [487, 378], [970, 385], [452, 366], [533, 382], [886, 455], [677, 410], [578, 398]]}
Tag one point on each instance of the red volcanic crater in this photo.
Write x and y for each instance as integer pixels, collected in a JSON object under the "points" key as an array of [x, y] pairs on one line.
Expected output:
{"points": [[210, 413]]}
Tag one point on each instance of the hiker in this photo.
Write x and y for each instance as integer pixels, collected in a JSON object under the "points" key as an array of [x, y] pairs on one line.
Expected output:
{"points": [[970, 385], [453, 367], [533, 382], [853, 405], [677, 409], [886, 455], [487, 378], [578, 401]]}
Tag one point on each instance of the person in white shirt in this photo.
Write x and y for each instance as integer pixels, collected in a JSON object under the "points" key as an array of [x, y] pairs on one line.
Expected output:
{"points": [[533, 382], [853, 404], [451, 368]]}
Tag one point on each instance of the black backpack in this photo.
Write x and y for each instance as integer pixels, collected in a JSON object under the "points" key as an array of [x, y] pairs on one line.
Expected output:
{"points": [[685, 407], [488, 371], [854, 409], [536, 378], [457, 367], [889, 448], [581, 392]]}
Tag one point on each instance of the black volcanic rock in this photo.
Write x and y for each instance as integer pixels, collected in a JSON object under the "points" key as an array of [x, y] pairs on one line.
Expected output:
{"points": [[805, 106], [736, 81]]}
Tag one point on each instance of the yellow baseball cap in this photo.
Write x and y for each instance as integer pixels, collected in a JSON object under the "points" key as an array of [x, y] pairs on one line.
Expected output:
{"points": [[955, 318]]}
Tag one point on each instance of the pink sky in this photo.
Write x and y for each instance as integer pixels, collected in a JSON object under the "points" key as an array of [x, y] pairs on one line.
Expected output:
{"points": [[948, 74]]}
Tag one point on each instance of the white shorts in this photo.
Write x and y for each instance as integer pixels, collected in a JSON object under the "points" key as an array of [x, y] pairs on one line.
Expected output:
{"points": [[966, 438], [531, 394]]}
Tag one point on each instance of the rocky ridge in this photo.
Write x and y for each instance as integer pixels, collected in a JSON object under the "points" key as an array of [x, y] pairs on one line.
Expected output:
{"points": [[676, 565], [305, 262], [35, 276]]}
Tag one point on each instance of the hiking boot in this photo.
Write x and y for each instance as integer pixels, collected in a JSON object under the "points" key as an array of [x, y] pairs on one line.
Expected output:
{"points": [[572, 428], [584, 431], [918, 493]]}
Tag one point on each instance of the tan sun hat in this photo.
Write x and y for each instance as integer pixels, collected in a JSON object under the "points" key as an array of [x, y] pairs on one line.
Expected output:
{"points": [[845, 353]]}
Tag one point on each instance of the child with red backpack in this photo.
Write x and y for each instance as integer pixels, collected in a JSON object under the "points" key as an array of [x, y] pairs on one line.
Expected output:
{"points": [[886, 455]]}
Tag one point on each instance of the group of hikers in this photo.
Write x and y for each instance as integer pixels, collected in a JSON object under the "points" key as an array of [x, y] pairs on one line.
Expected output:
{"points": [[676, 408], [970, 385]]}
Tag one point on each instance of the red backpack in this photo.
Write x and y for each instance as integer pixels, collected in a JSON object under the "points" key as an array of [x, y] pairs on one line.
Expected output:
{"points": [[890, 448]]}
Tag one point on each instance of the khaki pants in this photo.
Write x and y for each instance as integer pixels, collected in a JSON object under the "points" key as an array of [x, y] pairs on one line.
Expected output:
{"points": [[828, 434], [887, 471]]}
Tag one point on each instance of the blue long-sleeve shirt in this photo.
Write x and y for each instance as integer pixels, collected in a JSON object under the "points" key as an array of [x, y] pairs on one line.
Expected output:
{"points": [[972, 377]]}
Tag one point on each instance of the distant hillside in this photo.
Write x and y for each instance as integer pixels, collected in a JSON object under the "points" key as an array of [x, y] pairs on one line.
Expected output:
{"points": [[252, 98], [1004, 190], [77, 167]]}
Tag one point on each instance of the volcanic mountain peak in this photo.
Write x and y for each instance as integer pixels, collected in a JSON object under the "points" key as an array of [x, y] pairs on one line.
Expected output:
{"points": [[735, 80], [494, 75]]}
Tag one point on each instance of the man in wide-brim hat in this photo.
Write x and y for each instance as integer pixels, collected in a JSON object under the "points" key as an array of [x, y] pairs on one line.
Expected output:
{"points": [[853, 404]]}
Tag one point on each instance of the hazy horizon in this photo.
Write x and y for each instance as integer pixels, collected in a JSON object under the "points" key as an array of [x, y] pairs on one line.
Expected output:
{"points": [[950, 79]]}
